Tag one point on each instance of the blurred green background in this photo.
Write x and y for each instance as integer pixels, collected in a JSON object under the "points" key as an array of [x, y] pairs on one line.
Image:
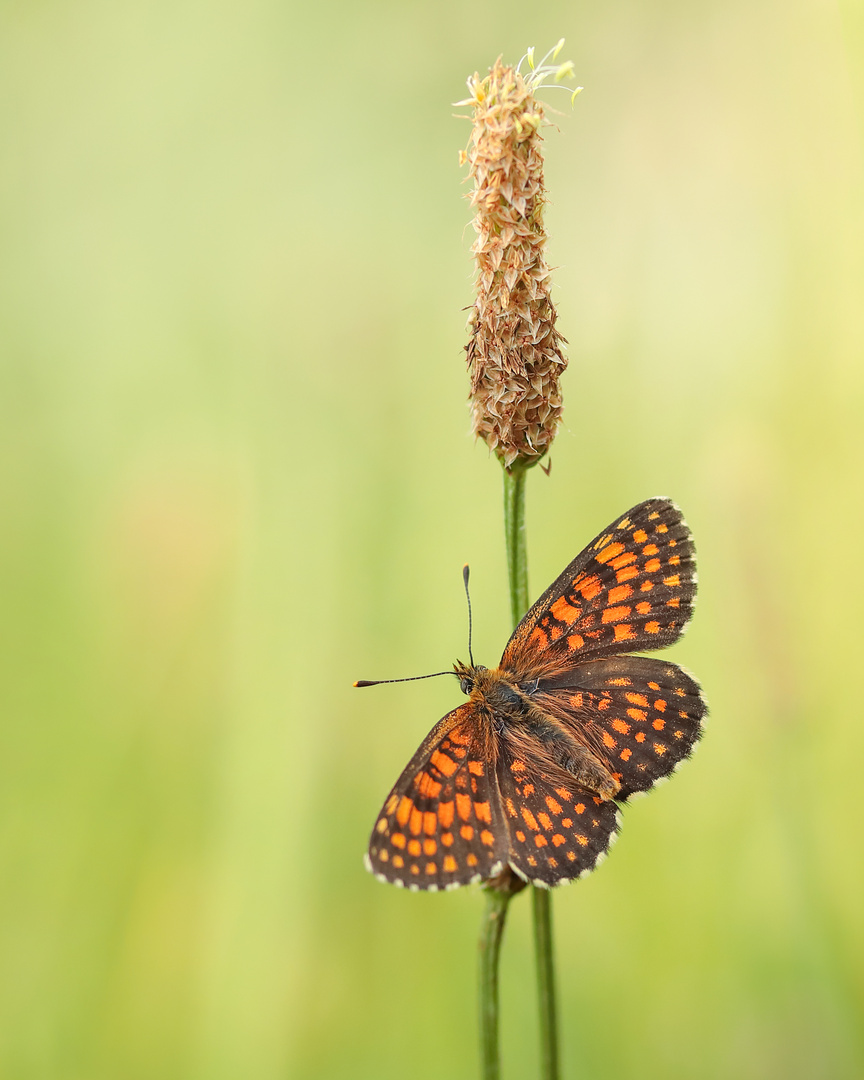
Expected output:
{"points": [[237, 474]]}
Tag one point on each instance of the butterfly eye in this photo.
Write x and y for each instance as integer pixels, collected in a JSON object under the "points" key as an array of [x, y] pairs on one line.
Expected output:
{"points": [[467, 686]]}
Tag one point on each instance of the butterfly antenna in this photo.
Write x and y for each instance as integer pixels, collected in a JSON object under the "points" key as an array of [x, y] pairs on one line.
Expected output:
{"points": [[411, 678], [468, 598]]}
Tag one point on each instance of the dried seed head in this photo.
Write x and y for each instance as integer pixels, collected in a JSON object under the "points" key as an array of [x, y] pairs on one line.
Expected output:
{"points": [[515, 353]]}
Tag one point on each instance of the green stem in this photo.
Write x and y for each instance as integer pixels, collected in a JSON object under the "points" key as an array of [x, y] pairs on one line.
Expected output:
{"points": [[517, 567], [542, 911], [514, 534], [491, 934]]}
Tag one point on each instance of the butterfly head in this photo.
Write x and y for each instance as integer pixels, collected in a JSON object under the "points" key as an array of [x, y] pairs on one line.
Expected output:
{"points": [[467, 675]]}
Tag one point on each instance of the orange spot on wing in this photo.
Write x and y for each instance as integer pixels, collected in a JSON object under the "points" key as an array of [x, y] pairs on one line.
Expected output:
{"points": [[467, 832], [672, 581], [426, 785], [643, 608], [580, 839], [608, 741], [652, 566], [653, 686], [443, 763], [391, 804], [415, 822], [483, 812], [615, 614], [589, 587], [449, 864], [384, 855], [579, 808], [398, 861], [563, 793], [471, 859], [640, 536], [430, 822], [637, 699], [627, 572], [621, 726], [626, 754], [659, 749], [554, 806], [646, 586], [674, 602], [413, 847], [429, 847], [529, 819], [637, 714], [624, 632], [558, 839], [564, 611], [660, 705], [620, 592], [539, 637], [445, 814], [544, 820], [463, 805], [487, 838], [652, 627], [475, 767], [622, 561], [640, 736], [662, 528], [574, 642], [540, 841], [576, 701], [658, 724], [447, 839], [675, 560], [404, 811], [650, 549]]}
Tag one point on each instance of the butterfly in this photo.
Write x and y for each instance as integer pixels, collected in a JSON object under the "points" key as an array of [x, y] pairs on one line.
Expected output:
{"points": [[529, 771]]}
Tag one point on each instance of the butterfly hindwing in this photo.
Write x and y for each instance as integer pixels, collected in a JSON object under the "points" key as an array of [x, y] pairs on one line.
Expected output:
{"points": [[631, 589], [640, 716], [557, 830], [441, 825]]}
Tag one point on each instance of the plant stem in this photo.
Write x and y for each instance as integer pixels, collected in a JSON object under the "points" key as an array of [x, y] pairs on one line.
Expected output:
{"points": [[542, 912], [491, 933], [517, 567], [514, 533]]}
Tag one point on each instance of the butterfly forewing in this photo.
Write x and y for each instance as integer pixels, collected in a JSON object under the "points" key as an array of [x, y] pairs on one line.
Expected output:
{"points": [[441, 824], [631, 589], [557, 830], [640, 716]]}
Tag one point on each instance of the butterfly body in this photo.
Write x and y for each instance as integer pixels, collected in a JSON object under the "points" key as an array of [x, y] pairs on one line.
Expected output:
{"points": [[528, 772], [515, 716]]}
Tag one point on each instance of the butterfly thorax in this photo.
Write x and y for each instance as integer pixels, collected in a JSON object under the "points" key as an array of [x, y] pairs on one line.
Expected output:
{"points": [[515, 716]]}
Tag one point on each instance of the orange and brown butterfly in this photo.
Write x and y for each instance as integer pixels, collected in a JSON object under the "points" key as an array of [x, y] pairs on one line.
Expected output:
{"points": [[528, 772]]}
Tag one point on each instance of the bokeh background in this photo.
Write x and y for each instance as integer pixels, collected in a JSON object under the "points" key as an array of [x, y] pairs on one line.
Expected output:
{"points": [[237, 474]]}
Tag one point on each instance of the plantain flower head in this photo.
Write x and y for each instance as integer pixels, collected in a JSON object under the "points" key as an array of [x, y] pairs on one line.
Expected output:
{"points": [[515, 354]]}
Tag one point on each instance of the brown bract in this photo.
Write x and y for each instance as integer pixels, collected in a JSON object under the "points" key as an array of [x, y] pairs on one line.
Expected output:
{"points": [[514, 355]]}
